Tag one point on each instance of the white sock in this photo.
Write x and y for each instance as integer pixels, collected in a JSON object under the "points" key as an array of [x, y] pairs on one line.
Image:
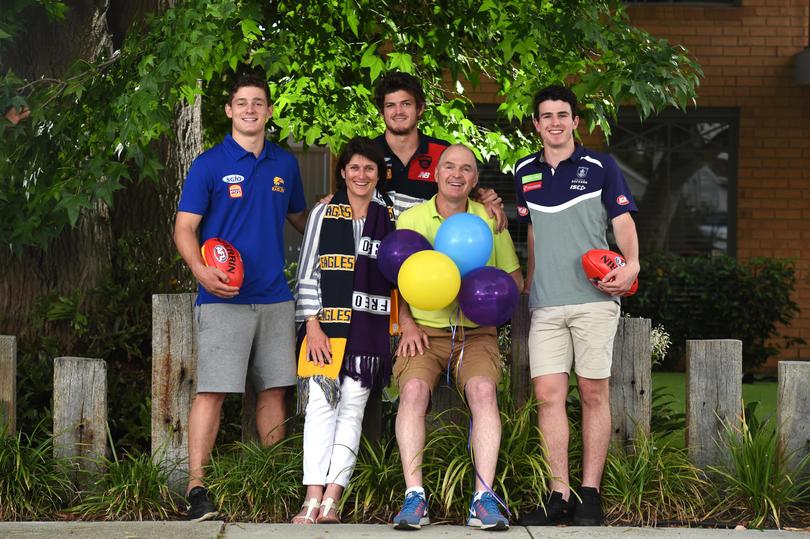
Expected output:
{"points": [[477, 495], [418, 490]]}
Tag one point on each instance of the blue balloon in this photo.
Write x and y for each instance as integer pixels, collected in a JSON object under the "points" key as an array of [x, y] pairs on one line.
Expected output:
{"points": [[466, 239]]}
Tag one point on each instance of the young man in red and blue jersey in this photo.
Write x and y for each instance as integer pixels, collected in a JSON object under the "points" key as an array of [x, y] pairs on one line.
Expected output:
{"points": [[569, 195], [241, 190], [410, 155]]}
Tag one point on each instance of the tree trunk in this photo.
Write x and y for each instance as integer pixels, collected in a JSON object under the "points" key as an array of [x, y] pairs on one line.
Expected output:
{"points": [[80, 257]]}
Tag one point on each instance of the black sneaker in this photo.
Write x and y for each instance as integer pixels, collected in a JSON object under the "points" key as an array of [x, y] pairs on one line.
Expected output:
{"points": [[199, 505], [554, 511], [588, 509]]}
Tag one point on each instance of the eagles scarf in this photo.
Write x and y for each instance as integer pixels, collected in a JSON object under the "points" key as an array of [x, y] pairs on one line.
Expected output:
{"points": [[355, 298]]}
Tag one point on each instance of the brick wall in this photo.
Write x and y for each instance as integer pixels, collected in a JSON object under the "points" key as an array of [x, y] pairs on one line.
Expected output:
{"points": [[747, 56]]}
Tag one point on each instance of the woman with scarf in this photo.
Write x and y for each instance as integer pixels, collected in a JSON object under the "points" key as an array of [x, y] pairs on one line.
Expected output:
{"points": [[343, 301]]}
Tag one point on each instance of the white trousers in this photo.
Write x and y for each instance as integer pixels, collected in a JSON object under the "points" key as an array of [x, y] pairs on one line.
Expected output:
{"points": [[332, 436]]}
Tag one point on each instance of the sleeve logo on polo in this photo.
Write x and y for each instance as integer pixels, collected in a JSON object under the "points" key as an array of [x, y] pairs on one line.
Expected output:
{"points": [[235, 191], [622, 200], [278, 185], [532, 182], [523, 211], [233, 178]]}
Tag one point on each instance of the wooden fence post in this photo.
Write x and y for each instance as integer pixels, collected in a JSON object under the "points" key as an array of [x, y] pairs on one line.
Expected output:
{"points": [[80, 413], [630, 380], [793, 409], [248, 415], [174, 367], [521, 378], [713, 396], [8, 383]]}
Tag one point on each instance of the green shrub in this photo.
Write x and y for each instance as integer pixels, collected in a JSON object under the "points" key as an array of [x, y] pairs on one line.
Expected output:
{"points": [[719, 298], [251, 483], [758, 483], [33, 484], [131, 488], [649, 481], [377, 486]]}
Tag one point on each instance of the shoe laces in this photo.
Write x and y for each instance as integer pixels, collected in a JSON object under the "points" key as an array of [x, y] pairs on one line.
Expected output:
{"points": [[412, 501]]}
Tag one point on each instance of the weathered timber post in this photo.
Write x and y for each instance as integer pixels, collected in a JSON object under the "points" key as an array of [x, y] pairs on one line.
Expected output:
{"points": [[174, 367], [521, 378], [793, 409], [80, 413], [631, 380], [713, 396], [8, 383], [249, 431]]}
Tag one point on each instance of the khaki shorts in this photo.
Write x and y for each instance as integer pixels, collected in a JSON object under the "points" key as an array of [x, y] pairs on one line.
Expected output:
{"points": [[585, 331], [480, 358]]}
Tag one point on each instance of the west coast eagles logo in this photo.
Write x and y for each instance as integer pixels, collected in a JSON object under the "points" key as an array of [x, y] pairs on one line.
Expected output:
{"points": [[278, 185], [220, 254]]}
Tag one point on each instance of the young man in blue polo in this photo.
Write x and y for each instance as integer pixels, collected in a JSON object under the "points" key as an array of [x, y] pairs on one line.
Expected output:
{"points": [[569, 195], [241, 190]]}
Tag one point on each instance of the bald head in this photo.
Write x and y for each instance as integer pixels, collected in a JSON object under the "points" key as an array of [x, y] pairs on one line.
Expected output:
{"points": [[456, 173]]}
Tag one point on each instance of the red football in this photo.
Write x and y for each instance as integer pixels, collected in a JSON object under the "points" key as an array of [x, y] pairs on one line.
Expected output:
{"points": [[599, 262], [218, 253]]}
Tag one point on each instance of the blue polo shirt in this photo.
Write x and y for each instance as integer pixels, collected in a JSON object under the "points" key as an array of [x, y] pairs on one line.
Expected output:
{"points": [[245, 200], [569, 208]]}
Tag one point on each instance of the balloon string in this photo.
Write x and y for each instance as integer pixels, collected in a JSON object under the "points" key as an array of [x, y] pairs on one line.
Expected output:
{"points": [[454, 326]]}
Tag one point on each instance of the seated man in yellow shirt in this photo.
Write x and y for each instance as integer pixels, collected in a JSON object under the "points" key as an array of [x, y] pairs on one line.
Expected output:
{"points": [[425, 348]]}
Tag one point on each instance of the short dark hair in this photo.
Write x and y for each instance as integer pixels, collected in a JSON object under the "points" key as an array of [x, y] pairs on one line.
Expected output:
{"points": [[249, 78], [359, 146], [555, 92], [396, 81]]}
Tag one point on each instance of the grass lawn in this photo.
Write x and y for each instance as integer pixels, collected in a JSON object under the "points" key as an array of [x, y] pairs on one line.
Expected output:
{"points": [[763, 390]]}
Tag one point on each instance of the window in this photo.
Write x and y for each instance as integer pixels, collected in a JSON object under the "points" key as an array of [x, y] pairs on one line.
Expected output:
{"points": [[681, 168]]}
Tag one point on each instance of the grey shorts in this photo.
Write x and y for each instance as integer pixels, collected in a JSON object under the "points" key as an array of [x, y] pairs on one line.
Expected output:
{"points": [[235, 342]]}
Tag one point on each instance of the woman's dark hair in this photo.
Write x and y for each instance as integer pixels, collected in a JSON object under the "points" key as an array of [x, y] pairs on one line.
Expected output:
{"points": [[360, 146]]}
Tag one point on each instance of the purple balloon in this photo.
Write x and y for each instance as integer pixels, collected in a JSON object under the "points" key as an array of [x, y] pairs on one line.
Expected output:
{"points": [[488, 296], [396, 247]]}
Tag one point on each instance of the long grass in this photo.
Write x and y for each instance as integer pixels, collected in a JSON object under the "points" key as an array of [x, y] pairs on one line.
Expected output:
{"points": [[649, 481], [377, 486], [33, 484], [759, 484], [133, 487], [251, 483]]}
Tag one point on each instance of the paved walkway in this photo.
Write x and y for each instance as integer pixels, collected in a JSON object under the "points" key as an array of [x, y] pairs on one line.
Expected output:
{"points": [[220, 530]]}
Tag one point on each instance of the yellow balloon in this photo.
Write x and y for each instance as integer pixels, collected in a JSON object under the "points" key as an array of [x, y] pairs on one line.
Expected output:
{"points": [[429, 280]]}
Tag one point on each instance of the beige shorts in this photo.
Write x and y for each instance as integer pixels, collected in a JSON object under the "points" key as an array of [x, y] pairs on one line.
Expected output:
{"points": [[480, 357], [560, 335]]}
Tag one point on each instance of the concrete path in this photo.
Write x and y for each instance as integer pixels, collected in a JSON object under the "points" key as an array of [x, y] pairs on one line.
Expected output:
{"points": [[220, 530]]}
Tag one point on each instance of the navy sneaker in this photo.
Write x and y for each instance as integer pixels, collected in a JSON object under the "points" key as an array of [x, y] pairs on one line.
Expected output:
{"points": [[199, 505], [414, 513], [486, 515]]}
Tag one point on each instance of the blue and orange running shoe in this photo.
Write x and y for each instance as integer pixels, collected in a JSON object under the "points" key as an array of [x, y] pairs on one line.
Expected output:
{"points": [[414, 513], [486, 515]]}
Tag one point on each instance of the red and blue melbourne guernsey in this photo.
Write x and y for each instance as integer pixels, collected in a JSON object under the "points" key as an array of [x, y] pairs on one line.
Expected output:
{"points": [[413, 182], [569, 208], [245, 200]]}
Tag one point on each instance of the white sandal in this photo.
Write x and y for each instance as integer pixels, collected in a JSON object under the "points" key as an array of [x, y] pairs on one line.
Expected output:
{"points": [[327, 506], [311, 506]]}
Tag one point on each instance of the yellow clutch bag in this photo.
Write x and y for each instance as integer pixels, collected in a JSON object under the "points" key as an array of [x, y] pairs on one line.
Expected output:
{"points": [[307, 368]]}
